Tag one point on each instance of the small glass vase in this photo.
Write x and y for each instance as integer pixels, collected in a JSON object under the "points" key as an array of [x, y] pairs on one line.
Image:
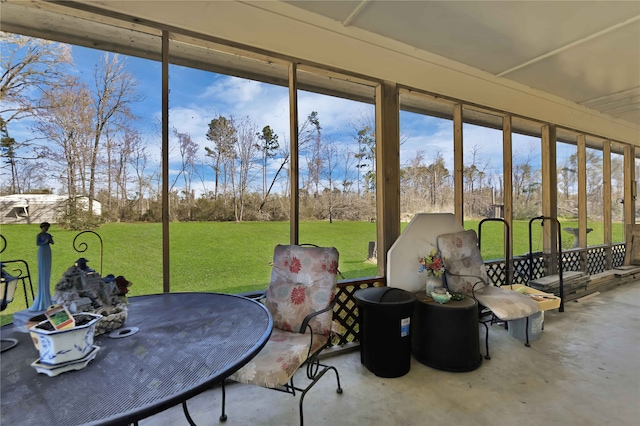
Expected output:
{"points": [[433, 282]]}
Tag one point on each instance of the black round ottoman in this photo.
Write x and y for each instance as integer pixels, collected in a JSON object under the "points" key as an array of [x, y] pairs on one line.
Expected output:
{"points": [[445, 336]]}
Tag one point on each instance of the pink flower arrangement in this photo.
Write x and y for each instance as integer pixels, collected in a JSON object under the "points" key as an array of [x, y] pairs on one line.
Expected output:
{"points": [[432, 263]]}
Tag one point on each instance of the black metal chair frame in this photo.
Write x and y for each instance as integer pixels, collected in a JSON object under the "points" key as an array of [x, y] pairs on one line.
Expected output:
{"points": [[481, 308], [493, 318], [508, 279], [560, 267], [314, 370], [13, 342], [22, 276], [10, 343]]}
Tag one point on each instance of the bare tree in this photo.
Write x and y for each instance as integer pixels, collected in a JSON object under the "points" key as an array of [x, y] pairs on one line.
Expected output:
{"points": [[268, 147], [474, 176], [314, 165], [526, 184], [413, 182], [438, 176], [188, 152], [124, 153], [33, 176], [348, 162], [284, 156], [8, 149], [29, 67], [425, 187], [224, 135], [66, 124], [139, 159], [115, 91], [330, 159], [245, 164], [308, 134], [567, 177], [363, 124]]}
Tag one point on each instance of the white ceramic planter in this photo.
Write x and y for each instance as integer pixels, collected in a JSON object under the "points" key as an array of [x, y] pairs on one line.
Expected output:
{"points": [[60, 346]]}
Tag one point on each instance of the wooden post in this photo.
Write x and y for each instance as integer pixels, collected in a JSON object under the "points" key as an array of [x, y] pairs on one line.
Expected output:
{"points": [[549, 193], [294, 173], [165, 163], [582, 199], [458, 164], [606, 193], [630, 191], [507, 176], [387, 170]]}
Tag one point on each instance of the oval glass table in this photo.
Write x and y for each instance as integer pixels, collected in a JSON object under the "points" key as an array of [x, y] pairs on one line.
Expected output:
{"points": [[185, 344]]}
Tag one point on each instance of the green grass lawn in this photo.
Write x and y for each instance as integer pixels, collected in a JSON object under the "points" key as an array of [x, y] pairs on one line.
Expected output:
{"points": [[224, 257]]}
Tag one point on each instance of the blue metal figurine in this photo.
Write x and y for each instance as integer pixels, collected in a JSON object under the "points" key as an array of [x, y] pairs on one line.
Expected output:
{"points": [[43, 240]]}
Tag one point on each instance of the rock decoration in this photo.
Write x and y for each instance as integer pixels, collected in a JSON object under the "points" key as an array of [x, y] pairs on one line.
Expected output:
{"points": [[82, 289], [113, 317]]}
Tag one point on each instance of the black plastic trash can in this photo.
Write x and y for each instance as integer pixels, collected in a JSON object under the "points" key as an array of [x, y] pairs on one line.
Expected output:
{"points": [[384, 315]]}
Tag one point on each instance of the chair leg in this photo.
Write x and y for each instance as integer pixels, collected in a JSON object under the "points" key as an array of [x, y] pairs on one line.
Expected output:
{"points": [[315, 371], [486, 340], [186, 414], [223, 416], [315, 379], [526, 333]]}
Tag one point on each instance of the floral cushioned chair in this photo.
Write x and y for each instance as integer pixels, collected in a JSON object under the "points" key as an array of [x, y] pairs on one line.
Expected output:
{"points": [[465, 273], [300, 298]]}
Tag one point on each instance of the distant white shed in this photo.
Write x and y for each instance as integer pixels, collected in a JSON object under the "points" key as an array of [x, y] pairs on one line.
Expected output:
{"points": [[37, 208]]}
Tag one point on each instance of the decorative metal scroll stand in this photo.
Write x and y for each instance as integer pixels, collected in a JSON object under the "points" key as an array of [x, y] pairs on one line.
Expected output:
{"points": [[82, 246], [22, 268], [8, 343]]}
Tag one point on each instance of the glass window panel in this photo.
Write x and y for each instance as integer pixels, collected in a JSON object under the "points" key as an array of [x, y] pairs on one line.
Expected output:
{"points": [[567, 169], [228, 168], [482, 173], [114, 165], [337, 178], [527, 192], [595, 197], [483, 179], [426, 156], [617, 194]]}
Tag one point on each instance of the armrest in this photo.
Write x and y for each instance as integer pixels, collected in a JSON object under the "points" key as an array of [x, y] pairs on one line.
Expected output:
{"points": [[305, 322], [480, 281]]}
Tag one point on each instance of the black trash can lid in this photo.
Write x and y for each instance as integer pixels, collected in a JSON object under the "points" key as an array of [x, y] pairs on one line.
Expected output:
{"points": [[384, 296]]}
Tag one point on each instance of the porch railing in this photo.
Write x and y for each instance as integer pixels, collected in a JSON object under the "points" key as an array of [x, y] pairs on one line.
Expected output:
{"points": [[593, 260]]}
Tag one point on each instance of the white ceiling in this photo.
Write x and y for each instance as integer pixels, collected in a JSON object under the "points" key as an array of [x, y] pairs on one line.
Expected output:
{"points": [[585, 51]]}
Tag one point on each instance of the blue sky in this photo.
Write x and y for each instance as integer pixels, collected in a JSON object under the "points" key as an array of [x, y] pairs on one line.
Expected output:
{"points": [[196, 97]]}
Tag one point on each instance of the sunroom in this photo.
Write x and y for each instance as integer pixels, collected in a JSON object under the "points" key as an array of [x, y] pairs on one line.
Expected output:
{"points": [[551, 89]]}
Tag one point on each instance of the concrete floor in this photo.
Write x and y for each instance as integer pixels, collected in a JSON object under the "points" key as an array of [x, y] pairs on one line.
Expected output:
{"points": [[584, 370]]}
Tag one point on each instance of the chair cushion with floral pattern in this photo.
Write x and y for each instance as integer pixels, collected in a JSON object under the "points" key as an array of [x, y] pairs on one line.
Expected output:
{"points": [[303, 281], [463, 263], [280, 358], [464, 268], [506, 304]]}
